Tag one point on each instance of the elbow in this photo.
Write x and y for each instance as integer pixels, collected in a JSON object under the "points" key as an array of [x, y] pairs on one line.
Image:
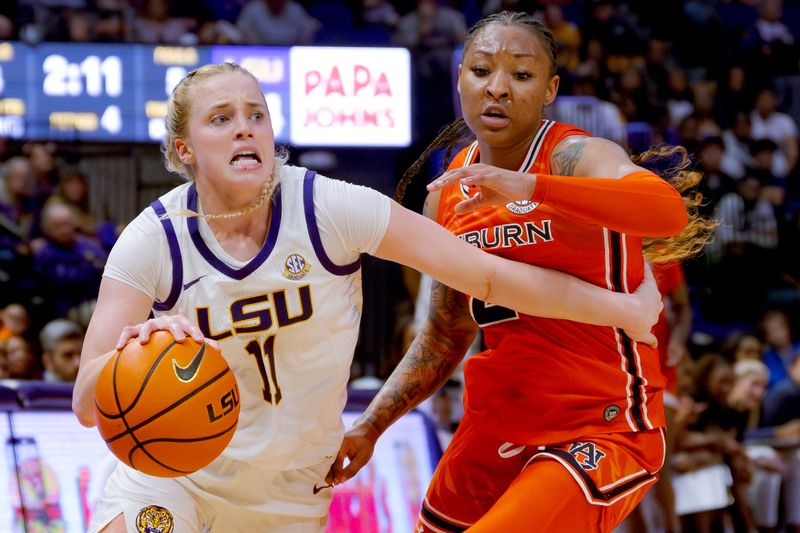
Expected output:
{"points": [[84, 413], [671, 220], [678, 221]]}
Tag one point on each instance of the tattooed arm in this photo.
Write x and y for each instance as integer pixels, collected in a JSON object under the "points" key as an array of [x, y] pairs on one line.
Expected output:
{"points": [[592, 157], [433, 356], [430, 360]]}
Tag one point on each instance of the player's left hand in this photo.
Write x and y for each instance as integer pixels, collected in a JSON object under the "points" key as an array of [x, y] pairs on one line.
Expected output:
{"points": [[496, 186], [357, 448]]}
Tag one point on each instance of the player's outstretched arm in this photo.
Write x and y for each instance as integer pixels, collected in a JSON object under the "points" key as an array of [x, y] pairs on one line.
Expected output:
{"points": [[418, 242], [118, 305], [430, 360]]}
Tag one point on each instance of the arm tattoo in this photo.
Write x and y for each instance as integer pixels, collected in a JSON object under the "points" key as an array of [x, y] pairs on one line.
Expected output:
{"points": [[431, 359], [564, 161]]}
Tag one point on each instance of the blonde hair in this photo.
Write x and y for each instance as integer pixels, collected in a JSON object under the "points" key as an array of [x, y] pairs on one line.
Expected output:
{"points": [[179, 109], [672, 163], [750, 366]]}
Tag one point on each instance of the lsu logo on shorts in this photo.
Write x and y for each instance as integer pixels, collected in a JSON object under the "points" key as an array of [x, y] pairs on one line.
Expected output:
{"points": [[154, 519]]}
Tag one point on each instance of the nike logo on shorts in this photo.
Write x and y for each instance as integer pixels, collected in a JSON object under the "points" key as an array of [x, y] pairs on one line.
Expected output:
{"points": [[188, 372], [325, 486]]}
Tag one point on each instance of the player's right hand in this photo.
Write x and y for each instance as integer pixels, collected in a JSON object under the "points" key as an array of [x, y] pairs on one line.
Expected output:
{"points": [[650, 306], [357, 447], [178, 325]]}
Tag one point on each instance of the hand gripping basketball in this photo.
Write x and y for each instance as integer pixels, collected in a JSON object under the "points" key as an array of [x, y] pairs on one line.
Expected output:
{"points": [[166, 408]]}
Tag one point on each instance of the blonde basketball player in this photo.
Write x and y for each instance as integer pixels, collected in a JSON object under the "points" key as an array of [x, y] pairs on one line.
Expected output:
{"points": [[263, 258]]}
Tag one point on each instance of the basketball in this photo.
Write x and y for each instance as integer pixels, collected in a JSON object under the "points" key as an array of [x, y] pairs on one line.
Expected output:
{"points": [[166, 408]]}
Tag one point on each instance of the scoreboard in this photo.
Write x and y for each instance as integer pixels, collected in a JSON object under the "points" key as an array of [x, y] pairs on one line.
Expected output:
{"points": [[119, 92]]}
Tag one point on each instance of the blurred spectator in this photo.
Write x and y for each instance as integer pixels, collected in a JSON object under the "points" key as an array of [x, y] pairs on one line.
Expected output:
{"points": [[789, 260], [73, 192], [18, 222], [21, 362], [9, 14], [585, 110], [567, 34], [593, 64], [658, 64], [114, 21], [14, 321], [496, 6], [733, 96], [154, 25], [431, 32], [712, 436], [276, 23], [612, 24], [779, 340], [67, 265], [376, 22], [703, 95], [61, 342], [219, 32], [679, 96], [770, 44], [744, 247], [763, 152], [715, 183], [770, 469], [782, 403], [632, 97], [18, 205], [737, 140], [380, 12], [43, 165], [767, 122], [740, 345]]}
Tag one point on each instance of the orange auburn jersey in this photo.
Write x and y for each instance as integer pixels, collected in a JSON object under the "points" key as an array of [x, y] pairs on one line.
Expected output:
{"points": [[669, 276], [544, 380]]}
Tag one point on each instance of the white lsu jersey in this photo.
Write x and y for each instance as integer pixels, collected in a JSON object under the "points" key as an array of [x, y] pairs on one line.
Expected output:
{"points": [[287, 320]]}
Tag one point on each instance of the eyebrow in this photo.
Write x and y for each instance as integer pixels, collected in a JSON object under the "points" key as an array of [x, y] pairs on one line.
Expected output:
{"points": [[253, 103], [515, 54]]}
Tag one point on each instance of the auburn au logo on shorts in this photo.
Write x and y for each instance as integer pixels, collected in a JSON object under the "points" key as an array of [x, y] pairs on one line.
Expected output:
{"points": [[154, 519], [586, 454]]}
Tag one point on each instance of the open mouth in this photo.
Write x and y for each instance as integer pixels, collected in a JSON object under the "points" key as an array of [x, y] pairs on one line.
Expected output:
{"points": [[245, 159], [494, 111]]}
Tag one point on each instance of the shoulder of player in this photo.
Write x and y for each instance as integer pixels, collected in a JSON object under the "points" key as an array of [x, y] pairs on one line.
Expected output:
{"points": [[431, 206], [574, 151], [459, 158]]}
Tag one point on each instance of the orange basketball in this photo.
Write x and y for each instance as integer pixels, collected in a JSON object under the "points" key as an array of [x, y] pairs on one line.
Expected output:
{"points": [[166, 408]]}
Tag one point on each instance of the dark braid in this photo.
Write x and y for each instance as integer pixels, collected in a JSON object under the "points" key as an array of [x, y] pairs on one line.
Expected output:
{"points": [[458, 130], [449, 136]]}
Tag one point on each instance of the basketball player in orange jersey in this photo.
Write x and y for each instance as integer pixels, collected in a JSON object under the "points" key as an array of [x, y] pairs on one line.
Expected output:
{"points": [[263, 258], [563, 423]]}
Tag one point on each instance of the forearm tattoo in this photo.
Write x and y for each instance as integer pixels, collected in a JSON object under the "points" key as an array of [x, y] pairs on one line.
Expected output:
{"points": [[429, 361], [565, 160]]}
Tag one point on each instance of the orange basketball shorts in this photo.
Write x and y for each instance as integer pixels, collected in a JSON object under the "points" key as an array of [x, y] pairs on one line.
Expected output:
{"points": [[483, 484]]}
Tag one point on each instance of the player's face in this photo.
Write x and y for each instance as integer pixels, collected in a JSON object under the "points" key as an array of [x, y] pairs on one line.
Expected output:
{"points": [[230, 139], [504, 82]]}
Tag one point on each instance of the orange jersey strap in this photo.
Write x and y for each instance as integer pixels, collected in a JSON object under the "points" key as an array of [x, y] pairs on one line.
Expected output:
{"points": [[639, 203]]}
